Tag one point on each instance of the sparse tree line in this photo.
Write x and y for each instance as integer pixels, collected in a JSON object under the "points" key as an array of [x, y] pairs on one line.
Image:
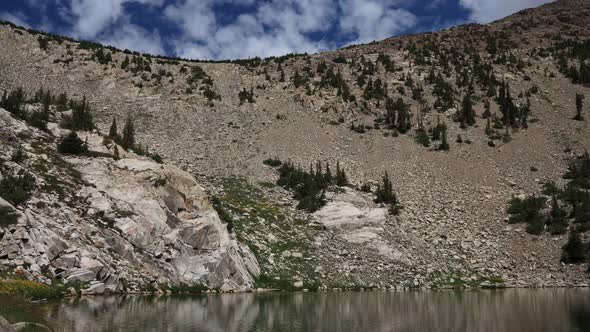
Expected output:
{"points": [[127, 141], [18, 189], [81, 117], [309, 186], [568, 210]]}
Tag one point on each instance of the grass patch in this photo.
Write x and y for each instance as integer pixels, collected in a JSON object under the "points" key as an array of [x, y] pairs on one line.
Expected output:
{"points": [[30, 290]]}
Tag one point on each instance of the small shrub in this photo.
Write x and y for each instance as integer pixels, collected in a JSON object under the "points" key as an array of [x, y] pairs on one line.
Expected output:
{"points": [[528, 211], [19, 155], [223, 214], [366, 188], [422, 138], [72, 144], [17, 189], [30, 290], [7, 216], [339, 59], [551, 189], [157, 158], [273, 162], [384, 192]]}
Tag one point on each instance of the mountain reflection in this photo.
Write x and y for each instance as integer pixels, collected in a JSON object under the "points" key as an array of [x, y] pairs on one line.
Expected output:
{"points": [[506, 310]]}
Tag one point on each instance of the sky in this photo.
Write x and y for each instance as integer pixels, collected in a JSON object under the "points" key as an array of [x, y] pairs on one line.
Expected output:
{"points": [[240, 29]]}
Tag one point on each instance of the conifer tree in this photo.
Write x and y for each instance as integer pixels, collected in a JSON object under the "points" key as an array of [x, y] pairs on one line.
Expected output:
{"points": [[128, 139], [467, 116], [574, 250], [557, 218], [113, 132], [384, 192], [444, 144], [487, 112], [340, 179], [116, 153], [125, 63]]}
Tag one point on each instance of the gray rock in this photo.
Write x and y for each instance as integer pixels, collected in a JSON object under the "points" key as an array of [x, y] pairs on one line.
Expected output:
{"points": [[94, 289], [80, 275], [5, 326]]}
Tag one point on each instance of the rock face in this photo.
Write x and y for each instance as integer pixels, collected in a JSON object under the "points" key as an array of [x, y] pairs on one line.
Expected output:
{"points": [[161, 209], [125, 224], [5, 326]]}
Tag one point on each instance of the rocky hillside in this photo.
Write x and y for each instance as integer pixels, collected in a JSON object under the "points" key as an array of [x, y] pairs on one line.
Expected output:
{"points": [[110, 224], [462, 120]]}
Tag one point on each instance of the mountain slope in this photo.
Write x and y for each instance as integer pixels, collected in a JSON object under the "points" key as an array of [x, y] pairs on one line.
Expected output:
{"points": [[453, 220]]}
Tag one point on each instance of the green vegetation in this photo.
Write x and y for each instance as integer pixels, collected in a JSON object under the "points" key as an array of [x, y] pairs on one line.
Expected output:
{"points": [[467, 115], [29, 290], [72, 144], [8, 216], [128, 138], [246, 95], [397, 115], [384, 194], [252, 211], [309, 187], [43, 42], [127, 141], [422, 137], [19, 155], [574, 251], [272, 162], [82, 116], [570, 208], [17, 189]]}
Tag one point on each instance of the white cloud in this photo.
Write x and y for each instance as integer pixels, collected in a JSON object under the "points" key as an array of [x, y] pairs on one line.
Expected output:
{"points": [[276, 27], [91, 16], [371, 20], [485, 11], [17, 18], [133, 37], [266, 28]]}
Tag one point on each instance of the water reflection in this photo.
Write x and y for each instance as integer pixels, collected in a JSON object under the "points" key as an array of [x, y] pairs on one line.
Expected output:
{"points": [[509, 310]]}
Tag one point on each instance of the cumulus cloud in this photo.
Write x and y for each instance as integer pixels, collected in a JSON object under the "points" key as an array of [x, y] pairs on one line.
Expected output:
{"points": [[133, 37], [17, 18], [485, 11], [276, 27], [370, 20], [91, 16]]}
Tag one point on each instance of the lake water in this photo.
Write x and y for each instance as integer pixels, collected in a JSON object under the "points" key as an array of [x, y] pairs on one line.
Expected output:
{"points": [[533, 310]]}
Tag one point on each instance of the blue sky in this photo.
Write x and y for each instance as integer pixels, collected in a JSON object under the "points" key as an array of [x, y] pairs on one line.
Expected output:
{"points": [[230, 29]]}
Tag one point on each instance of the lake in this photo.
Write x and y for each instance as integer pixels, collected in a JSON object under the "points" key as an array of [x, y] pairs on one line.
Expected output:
{"points": [[521, 310]]}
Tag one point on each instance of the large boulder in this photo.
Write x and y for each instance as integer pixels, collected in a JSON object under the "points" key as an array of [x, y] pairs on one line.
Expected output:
{"points": [[165, 215]]}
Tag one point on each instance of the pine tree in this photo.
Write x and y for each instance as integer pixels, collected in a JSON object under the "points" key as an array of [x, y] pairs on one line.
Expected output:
{"points": [[125, 63], [444, 144], [116, 153], [113, 132], [467, 115], [487, 112], [579, 105], [384, 192], [341, 179], [574, 251], [128, 139]]}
